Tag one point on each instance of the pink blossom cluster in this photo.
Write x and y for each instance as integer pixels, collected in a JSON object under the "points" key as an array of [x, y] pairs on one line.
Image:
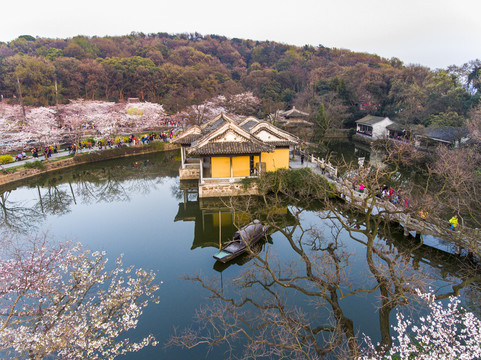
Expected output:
{"points": [[62, 302], [44, 126], [445, 333], [242, 104]]}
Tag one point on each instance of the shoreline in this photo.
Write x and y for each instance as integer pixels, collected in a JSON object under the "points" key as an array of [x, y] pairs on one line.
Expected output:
{"points": [[86, 158]]}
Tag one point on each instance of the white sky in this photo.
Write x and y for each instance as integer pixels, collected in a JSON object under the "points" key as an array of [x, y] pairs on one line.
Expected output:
{"points": [[434, 33]]}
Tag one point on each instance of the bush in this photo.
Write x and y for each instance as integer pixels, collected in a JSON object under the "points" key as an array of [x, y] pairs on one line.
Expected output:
{"points": [[5, 159], [158, 145], [34, 165], [300, 182]]}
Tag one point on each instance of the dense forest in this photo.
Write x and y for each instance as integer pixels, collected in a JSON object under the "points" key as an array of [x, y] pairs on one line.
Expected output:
{"points": [[187, 69]]}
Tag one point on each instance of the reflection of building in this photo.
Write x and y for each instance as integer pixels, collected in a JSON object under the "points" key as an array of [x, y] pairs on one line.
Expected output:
{"points": [[221, 152], [216, 221], [373, 127]]}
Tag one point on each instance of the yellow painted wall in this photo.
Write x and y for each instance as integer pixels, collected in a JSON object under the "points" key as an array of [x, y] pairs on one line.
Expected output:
{"points": [[220, 167], [241, 166], [279, 159]]}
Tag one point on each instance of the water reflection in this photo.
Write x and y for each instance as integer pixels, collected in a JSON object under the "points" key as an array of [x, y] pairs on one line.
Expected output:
{"points": [[106, 182], [304, 295], [324, 275]]}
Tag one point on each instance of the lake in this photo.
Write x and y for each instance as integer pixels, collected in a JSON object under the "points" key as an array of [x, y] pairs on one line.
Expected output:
{"points": [[137, 207]]}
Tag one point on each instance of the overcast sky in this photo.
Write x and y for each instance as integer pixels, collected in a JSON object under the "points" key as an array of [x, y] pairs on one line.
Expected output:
{"points": [[434, 33]]}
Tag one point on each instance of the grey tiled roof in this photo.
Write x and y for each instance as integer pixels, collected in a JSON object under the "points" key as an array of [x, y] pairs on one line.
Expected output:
{"points": [[249, 124], [446, 133], [226, 148], [187, 140], [293, 113], [370, 120]]}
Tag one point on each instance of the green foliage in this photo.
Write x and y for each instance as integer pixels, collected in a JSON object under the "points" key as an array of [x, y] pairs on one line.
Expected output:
{"points": [[321, 123], [247, 182], [296, 183], [34, 165], [53, 53], [446, 119], [27, 37], [157, 145], [5, 159], [179, 70]]}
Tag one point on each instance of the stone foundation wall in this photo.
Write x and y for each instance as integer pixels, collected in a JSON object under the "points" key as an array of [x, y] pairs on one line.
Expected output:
{"points": [[66, 163], [189, 174], [226, 189]]}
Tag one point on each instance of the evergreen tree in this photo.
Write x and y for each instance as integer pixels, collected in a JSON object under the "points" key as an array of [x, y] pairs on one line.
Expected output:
{"points": [[321, 123]]}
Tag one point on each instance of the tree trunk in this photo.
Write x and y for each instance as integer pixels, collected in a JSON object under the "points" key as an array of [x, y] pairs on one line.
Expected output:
{"points": [[21, 99], [59, 119]]}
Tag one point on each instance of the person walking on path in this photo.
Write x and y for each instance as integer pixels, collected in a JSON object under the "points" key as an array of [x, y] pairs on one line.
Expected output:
{"points": [[361, 188], [302, 159], [454, 222]]}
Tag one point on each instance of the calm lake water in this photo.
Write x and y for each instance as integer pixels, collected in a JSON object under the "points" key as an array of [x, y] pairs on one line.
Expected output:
{"points": [[136, 207]]}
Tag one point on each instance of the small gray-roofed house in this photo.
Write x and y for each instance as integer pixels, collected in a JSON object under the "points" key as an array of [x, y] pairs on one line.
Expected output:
{"points": [[293, 113], [221, 151], [448, 135], [374, 127], [398, 131]]}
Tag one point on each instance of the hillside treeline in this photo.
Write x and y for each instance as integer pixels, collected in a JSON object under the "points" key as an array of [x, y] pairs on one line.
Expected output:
{"points": [[186, 69]]}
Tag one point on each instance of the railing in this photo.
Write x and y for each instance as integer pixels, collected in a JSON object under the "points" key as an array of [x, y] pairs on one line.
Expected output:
{"points": [[325, 165], [192, 163], [224, 180]]}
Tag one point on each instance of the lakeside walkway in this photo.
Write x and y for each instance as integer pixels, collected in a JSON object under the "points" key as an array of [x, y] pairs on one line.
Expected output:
{"points": [[412, 225]]}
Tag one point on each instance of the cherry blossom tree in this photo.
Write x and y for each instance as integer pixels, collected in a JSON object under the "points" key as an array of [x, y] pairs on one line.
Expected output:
{"points": [[241, 104], [62, 301], [445, 333], [41, 126]]}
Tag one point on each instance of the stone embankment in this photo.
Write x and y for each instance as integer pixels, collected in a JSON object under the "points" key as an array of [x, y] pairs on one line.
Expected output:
{"points": [[79, 159]]}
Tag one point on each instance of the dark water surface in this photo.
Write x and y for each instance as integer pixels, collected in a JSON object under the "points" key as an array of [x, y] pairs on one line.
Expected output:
{"points": [[135, 207]]}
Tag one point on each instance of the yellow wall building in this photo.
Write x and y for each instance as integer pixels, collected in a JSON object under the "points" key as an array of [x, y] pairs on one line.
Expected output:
{"points": [[223, 149], [279, 159]]}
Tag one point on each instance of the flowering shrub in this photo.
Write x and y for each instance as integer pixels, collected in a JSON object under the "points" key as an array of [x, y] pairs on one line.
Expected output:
{"points": [[135, 111], [445, 333], [5, 159]]}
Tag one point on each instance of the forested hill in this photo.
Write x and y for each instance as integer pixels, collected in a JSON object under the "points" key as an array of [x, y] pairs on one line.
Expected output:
{"points": [[185, 69]]}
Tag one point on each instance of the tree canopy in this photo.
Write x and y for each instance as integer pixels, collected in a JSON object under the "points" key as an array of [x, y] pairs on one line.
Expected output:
{"points": [[179, 70]]}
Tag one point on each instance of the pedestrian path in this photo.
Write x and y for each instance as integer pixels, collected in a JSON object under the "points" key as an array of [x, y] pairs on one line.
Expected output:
{"points": [[61, 153], [390, 211]]}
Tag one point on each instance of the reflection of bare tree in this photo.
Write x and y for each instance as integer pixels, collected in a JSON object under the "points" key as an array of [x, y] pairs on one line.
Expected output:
{"points": [[55, 200], [89, 184], [103, 185], [16, 216], [318, 276]]}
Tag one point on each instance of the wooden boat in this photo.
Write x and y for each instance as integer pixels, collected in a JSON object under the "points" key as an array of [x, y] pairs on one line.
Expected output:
{"points": [[248, 235]]}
